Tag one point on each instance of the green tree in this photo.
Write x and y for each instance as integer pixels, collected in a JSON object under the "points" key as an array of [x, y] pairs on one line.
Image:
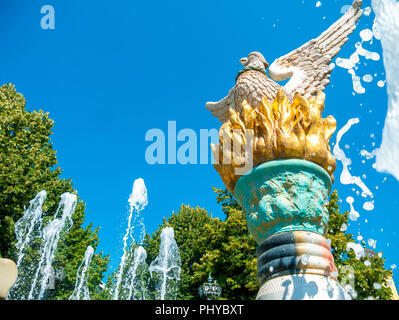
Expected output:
{"points": [[230, 257], [191, 227], [209, 245], [27, 166]]}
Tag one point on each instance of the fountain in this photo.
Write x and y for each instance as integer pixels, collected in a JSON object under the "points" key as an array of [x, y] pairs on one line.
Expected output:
{"points": [[137, 287], [29, 225], [167, 265], [37, 245], [28, 230], [132, 276], [387, 19], [51, 236], [36, 272], [135, 229], [81, 291]]}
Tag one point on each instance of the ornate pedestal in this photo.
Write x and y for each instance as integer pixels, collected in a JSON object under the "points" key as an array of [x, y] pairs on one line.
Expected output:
{"points": [[264, 123], [285, 204]]}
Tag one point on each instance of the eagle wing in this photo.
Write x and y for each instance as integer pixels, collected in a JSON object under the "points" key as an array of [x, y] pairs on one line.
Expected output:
{"points": [[220, 109], [309, 66]]}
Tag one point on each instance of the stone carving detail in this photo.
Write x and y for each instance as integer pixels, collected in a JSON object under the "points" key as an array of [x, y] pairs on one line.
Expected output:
{"points": [[284, 195]]}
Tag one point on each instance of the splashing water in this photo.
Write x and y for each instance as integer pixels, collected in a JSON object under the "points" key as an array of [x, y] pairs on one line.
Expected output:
{"points": [[27, 229], [387, 18], [167, 265], [137, 201], [30, 223], [81, 291], [381, 84], [372, 243], [346, 177], [368, 206], [138, 198], [367, 78], [352, 62], [377, 286], [357, 84], [367, 11], [354, 59], [136, 287], [376, 30], [35, 269], [357, 248], [353, 214], [366, 35], [51, 236], [37, 246], [368, 155], [369, 55]]}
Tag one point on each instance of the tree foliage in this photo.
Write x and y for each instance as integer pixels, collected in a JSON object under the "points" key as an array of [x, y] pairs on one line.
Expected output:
{"points": [[28, 165], [209, 245], [191, 227], [230, 257]]}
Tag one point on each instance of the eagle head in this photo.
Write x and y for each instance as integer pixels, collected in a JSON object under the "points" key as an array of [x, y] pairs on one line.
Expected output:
{"points": [[254, 59]]}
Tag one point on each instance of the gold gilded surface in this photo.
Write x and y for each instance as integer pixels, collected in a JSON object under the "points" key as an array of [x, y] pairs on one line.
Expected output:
{"points": [[273, 131]]}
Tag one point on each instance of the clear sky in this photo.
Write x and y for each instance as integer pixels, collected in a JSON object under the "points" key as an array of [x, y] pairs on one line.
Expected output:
{"points": [[112, 70]]}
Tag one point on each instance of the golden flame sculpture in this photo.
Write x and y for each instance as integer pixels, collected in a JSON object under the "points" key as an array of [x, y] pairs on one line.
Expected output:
{"points": [[279, 130]]}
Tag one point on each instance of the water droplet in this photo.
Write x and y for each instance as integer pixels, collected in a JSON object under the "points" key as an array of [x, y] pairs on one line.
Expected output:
{"points": [[367, 11], [366, 35], [367, 78], [372, 243], [377, 286]]}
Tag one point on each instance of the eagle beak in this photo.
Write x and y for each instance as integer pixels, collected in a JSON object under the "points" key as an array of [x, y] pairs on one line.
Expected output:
{"points": [[244, 61]]}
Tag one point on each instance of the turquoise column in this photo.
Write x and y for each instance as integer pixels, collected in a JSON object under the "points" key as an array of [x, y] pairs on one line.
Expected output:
{"points": [[285, 202]]}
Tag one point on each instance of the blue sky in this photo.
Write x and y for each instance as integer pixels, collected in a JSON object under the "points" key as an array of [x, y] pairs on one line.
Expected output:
{"points": [[112, 70]]}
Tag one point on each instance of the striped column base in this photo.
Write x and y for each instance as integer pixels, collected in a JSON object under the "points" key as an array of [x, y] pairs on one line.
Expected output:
{"points": [[297, 265], [302, 287]]}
